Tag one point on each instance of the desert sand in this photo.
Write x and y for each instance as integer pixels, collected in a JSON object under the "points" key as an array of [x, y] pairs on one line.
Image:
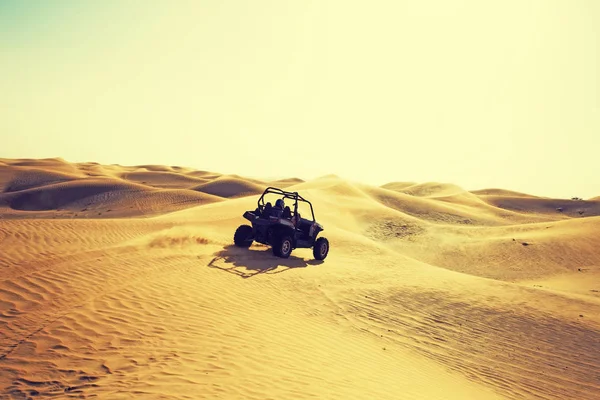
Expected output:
{"points": [[122, 282]]}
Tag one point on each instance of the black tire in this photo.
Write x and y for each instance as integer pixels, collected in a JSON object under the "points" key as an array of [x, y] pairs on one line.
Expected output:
{"points": [[243, 236], [283, 246], [321, 248]]}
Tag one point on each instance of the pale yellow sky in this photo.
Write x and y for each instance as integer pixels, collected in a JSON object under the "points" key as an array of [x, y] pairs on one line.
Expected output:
{"points": [[477, 93]]}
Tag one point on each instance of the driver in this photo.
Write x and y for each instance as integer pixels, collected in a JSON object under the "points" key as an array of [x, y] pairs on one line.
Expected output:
{"points": [[280, 204], [278, 208]]}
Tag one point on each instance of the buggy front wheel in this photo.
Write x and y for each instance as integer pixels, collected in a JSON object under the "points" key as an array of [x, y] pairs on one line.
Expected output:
{"points": [[321, 248]]}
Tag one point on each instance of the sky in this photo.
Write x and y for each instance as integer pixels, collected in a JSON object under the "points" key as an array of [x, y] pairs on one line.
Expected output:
{"points": [[482, 94]]}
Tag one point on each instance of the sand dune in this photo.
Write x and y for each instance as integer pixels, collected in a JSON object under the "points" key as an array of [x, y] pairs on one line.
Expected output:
{"points": [[158, 168], [398, 185], [554, 207], [290, 180], [68, 195], [227, 186], [122, 282], [245, 179], [31, 178], [161, 179], [203, 174], [501, 192], [430, 189], [54, 188], [93, 197], [463, 208], [48, 164]]}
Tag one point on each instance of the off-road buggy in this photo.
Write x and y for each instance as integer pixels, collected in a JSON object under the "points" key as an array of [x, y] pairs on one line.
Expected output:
{"points": [[282, 228]]}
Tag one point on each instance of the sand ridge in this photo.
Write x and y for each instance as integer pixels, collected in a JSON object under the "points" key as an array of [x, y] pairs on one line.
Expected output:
{"points": [[122, 282]]}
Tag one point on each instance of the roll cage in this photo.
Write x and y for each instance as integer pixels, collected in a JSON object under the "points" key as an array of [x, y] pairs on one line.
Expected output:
{"points": [[287, 195]]}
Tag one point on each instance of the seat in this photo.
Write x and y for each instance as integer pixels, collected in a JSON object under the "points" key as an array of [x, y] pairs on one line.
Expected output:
{"points": [[287, 213], [267, 210], [303, 227]]}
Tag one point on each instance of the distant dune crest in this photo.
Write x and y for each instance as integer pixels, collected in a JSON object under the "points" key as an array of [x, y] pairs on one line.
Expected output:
{"points": [[57, 188], [501, 192], [430, 189], [92, 190], [230, 186]]}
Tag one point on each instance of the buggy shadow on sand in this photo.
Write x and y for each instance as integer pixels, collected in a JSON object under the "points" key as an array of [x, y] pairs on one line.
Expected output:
{"points": [[247, 264], [282, 227]]}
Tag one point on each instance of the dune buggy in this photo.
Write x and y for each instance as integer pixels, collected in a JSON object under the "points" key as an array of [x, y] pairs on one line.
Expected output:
{"points": [[282, 227]]}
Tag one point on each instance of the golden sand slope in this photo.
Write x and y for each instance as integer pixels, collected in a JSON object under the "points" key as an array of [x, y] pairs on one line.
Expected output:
{"points": [[436, 295]]}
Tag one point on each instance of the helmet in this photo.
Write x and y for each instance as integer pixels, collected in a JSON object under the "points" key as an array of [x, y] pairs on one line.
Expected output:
{"points": [[280, 203]]}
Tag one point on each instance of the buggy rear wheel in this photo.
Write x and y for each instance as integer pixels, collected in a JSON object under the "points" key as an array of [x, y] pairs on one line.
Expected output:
{"points": [[243, 236], [283, 246]]}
